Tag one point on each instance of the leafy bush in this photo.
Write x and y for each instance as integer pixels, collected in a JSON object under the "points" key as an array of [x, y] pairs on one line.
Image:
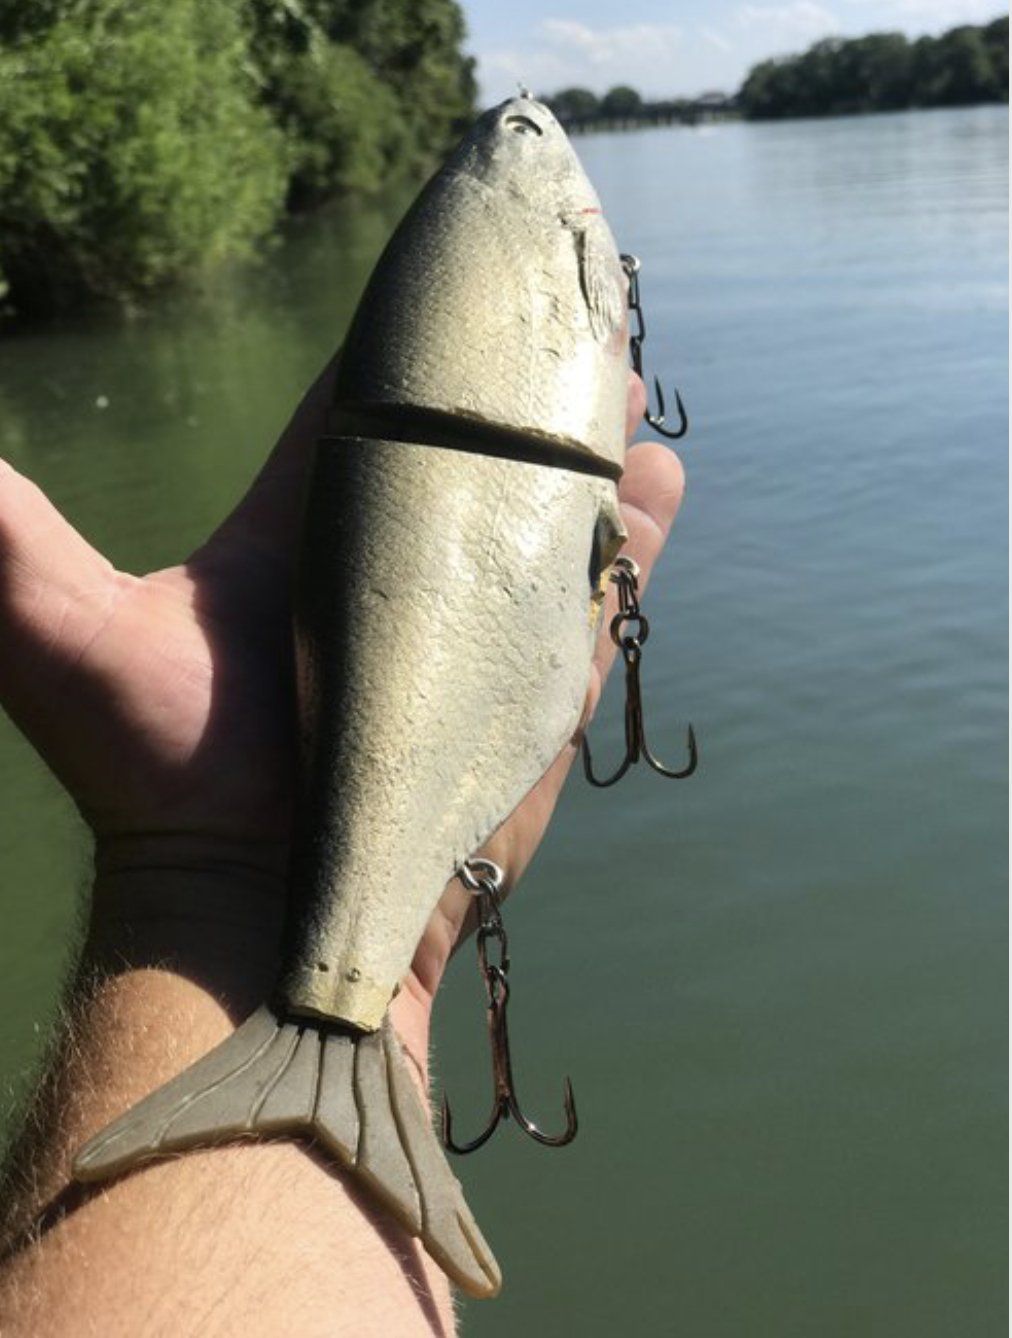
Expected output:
{"points": [[144, 141], [414, 47], [346, 129], [131, 151], [343, 125]]}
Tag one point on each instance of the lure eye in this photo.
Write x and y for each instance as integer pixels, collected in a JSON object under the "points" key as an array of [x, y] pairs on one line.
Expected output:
{"points": [[523, 125]]}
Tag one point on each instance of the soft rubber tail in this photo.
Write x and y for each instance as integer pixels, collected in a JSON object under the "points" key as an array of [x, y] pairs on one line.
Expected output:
{"points": [[350, 1093]]}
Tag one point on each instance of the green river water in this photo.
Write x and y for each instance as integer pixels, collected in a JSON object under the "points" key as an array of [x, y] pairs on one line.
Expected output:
{"points": [[778, 987]]}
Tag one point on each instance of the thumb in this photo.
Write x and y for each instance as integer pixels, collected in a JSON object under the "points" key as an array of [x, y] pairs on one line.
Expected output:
{"points": [[56, 593]]}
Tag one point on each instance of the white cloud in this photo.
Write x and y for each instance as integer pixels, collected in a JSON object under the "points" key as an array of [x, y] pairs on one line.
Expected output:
{"points": [[716, 39], [923, 16], [802, 19], [535, 68], [659, 59], [603, 46]]}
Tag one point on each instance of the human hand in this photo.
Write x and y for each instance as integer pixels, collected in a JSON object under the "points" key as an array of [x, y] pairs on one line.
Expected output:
{"points": [[165, 703]]}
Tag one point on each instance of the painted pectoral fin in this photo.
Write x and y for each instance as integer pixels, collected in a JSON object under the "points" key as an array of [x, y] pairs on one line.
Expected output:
{"points": [[601, 278], [351, 1094]]}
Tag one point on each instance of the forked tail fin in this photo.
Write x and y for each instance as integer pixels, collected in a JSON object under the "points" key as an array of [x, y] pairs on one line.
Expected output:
{"points": [[351, 1093]]}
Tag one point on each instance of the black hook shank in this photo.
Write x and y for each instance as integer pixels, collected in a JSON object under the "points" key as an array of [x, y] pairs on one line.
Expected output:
{"points": [[631, 265]]}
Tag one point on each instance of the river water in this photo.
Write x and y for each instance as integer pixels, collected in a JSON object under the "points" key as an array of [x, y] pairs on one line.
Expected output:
{"points": [[777, 987]]}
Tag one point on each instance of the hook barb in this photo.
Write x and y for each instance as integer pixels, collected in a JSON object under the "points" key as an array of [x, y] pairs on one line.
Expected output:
{"points": [[656, 420], [462, 1149], [617, 774], [662, 770]]}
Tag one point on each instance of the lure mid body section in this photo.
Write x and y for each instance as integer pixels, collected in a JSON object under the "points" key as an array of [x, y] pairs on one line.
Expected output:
{"points": [[460, 522]]}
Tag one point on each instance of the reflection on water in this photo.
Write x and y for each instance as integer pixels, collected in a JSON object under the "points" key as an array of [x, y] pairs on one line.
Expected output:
{"points": [[774, 984]]}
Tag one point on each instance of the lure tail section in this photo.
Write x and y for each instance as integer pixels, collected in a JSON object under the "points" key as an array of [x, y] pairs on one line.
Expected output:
{"points": [[350, 1093]]}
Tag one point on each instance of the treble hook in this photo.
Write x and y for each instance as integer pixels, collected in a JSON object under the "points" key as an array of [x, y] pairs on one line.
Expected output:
{"points": [[485, 879], [631, 265], [625, 574]]}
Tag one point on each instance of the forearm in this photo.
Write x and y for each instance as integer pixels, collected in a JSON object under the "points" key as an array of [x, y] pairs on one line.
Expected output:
{"points": [[252, 1238]]}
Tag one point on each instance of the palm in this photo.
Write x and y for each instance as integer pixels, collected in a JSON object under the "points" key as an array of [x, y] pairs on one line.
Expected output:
{"points": [[162, 711]]}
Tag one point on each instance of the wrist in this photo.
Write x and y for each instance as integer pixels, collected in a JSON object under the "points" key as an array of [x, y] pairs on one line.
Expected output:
{"points": [[262, 863], [206, 912], [201, 910], [211, 912]]}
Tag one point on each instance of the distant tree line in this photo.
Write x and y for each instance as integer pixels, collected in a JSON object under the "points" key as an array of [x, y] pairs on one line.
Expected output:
{"points": [[579, 108], [882, 72], [144, 141]]}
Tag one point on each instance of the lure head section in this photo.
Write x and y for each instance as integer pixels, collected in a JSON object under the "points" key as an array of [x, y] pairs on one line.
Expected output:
{"points": [[500, 302]]}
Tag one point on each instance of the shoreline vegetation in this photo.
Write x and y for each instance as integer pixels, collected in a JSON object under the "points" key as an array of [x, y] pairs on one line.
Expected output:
{"points": [[143, 143], [883, 72], [834, 77]]}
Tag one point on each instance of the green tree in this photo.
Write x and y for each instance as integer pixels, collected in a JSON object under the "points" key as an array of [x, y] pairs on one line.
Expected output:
{"points": [[759, 96], [887, 70], [415, 47], [959, 70], [342, 124], [573, 103], [365, 90], [131, 152], [882, 71], [621, 101], [996, 42], [814, 81], [346, 132]]}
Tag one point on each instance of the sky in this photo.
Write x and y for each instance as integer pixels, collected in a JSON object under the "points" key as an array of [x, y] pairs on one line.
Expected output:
{"points": [[675, 49]]}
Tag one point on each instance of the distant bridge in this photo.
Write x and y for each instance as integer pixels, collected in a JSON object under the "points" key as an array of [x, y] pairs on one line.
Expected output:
{"points": [[681, 111]]}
